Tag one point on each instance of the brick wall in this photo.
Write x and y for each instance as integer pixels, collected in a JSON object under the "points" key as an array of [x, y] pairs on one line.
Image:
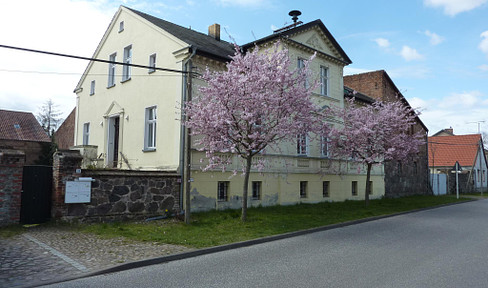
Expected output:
{"points": [[11, 165], [116, 195], [65, 135], [412, 176]]}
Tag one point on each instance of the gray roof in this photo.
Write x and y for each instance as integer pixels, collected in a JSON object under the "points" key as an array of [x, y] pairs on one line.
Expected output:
{"points": [[205, 44], [349, 92]]}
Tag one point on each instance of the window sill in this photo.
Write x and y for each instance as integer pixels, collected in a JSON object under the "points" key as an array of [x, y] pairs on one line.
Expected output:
{"points": [[125, 80], [151, 71], [113, 85], [149, 150]]}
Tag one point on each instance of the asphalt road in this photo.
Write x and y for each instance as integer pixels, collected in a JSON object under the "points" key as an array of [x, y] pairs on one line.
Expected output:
{"points": [[443, 247]]}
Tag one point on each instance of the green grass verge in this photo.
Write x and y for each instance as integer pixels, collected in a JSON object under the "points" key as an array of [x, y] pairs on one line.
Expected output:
{"points": [[223, 227]]}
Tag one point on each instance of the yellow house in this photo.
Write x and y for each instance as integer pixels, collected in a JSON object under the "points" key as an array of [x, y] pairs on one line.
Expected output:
{"points": [[127, 116]]}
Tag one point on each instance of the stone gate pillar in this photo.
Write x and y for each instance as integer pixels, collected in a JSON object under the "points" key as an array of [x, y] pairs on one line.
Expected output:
{"points": [[65, 164]]}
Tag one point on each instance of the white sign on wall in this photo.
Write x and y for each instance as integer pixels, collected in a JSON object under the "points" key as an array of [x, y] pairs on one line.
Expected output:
{"points": [[78, 191]]}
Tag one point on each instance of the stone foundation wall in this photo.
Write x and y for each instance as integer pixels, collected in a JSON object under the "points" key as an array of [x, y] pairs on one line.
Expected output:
{"points": [[116, 195], [11, 169], [119, 195]]}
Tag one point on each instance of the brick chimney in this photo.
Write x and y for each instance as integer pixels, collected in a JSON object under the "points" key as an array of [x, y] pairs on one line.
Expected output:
{"points": [[214, 31]]}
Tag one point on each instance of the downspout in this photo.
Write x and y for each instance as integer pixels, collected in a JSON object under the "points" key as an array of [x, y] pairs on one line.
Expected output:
{"points": [[183, 131]]}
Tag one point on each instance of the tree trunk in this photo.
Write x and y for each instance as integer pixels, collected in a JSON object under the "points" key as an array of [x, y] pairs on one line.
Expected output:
{"points": [[368, 187], [245, 188]]}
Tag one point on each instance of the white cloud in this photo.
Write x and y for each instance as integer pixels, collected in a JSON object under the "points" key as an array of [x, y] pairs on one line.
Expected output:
{"points": [[57, 26], [483, 67], [457, 110], [484, 42], [464, 100], [410, 54], [434, 38], [382, 42], [453, 7]]}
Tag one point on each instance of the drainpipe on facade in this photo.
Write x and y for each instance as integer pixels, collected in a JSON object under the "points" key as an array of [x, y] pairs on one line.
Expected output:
{"points": [[185, 139]]}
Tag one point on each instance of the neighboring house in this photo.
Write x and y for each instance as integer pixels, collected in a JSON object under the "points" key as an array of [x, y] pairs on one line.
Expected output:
{"points": [[445, 132], [468, 150], [65, 135], [127, 114], [21, 131], [401, 178]]}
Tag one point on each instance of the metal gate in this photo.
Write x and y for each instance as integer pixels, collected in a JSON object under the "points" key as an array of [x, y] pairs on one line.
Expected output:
{"points": [[439, 183], [36, 194]]}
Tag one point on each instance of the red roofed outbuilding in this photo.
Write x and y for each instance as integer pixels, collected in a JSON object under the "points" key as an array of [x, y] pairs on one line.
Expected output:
{"points": [[21, 131], [468, 150]]}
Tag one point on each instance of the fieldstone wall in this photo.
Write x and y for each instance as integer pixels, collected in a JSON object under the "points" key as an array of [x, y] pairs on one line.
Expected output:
{"points": [[11, 169], [119, 195], [116, 195], [466, 184]]}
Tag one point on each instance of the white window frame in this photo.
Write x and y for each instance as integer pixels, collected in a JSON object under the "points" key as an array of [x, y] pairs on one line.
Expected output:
{"points": [[92, 87], [301, 65], [256, 190], [150, 128], [126, 71], [302, 144], [152, 63], [324, 146], [111, 70], [223, 191], [121, 26], [86, 133], [324, 81]]}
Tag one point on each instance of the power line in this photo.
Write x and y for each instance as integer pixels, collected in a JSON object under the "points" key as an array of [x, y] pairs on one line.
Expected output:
{"points": [[94, 59], [74, 73]]}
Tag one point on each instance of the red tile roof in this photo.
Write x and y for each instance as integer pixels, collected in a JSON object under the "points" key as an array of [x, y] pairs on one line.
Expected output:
{"points": [[444, 151], [21, 126]]}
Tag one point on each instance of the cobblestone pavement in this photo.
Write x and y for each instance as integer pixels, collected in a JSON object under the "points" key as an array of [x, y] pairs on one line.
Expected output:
{"points": [[49, 254]]}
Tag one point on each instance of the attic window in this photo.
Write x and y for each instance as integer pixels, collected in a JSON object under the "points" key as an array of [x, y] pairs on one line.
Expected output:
{"points": [[16, 126], [121, 26]]}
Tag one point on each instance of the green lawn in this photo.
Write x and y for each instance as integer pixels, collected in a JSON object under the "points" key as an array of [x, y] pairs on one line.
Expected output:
{"points": [[223, 227]]}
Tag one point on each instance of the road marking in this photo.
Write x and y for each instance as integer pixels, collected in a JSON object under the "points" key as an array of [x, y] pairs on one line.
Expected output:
{"points": [[55, 252]]}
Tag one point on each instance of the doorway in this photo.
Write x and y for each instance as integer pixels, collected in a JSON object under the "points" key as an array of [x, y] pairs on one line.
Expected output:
{"points": [[113, 141]]}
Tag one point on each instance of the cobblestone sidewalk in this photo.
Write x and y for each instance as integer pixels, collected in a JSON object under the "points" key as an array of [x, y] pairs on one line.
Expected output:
{"points": [[47, 254]]}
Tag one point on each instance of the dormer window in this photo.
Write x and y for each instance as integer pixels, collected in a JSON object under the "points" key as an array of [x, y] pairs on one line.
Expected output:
{"points": [[16, 126], [121, 26]]}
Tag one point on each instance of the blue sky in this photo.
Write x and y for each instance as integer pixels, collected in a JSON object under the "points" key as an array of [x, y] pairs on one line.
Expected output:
{"points": [[436, 51]]}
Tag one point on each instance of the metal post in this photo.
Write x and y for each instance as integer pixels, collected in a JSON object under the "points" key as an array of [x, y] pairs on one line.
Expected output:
{"points": [[457, 180]]}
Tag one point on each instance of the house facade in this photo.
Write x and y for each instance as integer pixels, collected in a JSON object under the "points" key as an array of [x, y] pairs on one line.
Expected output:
{"points": [[127, 116], [410, 176], [445, 150]]}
